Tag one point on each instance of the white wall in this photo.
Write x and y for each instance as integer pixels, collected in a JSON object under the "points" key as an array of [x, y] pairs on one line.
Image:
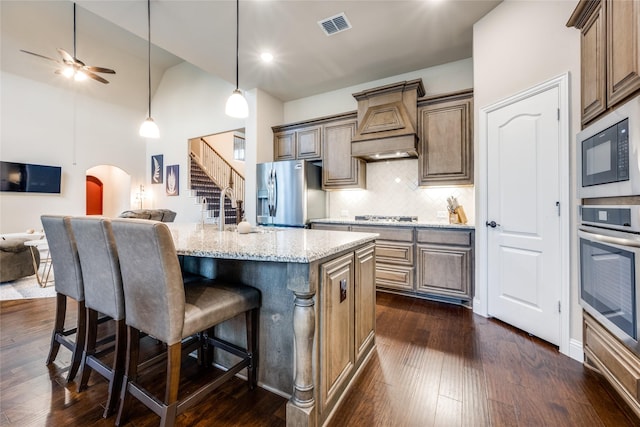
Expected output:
{"points": [[189, 103], [53, 124], [518, 45], [440, 79]]}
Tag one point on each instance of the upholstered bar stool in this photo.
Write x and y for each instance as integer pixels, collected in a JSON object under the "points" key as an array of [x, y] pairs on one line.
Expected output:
{"points": [[68, 284], [103, 294], [158, 303]]}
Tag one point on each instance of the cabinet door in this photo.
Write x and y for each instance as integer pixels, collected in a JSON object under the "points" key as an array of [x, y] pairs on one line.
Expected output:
{"points": [[593, 66], [284, 145], [337, 353], [339, 169], [309, 143], [446, 143], [623, 49], [444, 270], [365, 299]]}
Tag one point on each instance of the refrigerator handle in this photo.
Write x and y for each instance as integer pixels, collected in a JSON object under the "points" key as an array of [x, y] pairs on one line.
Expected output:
{"points": [[272, 191]]}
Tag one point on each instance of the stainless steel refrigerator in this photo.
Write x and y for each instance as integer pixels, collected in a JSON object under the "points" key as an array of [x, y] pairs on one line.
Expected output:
{"points": [[289, 193]]}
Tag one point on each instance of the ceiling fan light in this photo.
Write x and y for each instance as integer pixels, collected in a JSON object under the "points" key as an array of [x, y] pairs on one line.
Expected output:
{"points": [[237, 105], [80, 76], [68, 72], [149, 129]]}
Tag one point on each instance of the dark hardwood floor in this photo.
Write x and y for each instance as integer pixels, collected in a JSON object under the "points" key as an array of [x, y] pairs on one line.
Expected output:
{"points": [[435, 364]]}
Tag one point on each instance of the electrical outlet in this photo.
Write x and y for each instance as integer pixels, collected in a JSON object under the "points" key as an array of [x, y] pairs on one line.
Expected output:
{"points": [[441, 214], [344, 213]]}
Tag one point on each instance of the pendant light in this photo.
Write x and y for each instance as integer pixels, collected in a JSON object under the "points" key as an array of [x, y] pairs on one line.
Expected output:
{"points": [[149, 128], [236, 104]]}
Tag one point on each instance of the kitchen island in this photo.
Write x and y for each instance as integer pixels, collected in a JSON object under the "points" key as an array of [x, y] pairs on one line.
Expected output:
{"points": [[317, 318]]}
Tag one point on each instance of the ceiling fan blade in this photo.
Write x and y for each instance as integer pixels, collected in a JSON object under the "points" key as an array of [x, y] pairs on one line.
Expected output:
{"points": [[96, 77], [37, 54], [99, 69], [68, 59]]}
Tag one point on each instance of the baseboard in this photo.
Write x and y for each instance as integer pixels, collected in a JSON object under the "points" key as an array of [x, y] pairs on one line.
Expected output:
{"points": [[576, 352]]}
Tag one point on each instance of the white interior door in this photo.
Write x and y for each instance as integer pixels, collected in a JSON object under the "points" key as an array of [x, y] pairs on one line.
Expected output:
{"points": [[523, 195]]}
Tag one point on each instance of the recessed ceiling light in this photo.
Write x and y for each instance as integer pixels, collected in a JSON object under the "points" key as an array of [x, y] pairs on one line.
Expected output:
{"points": [[266, 57]]}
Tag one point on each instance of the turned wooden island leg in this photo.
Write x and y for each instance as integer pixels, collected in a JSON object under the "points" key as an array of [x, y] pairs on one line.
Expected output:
{"points": [[301, 408]]}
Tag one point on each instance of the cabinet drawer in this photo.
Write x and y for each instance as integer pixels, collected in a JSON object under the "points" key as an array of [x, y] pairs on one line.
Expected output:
{"points": [[444, 237], [387, 233], [394, 252], [394, 276], [615, 362], [332, 227]]}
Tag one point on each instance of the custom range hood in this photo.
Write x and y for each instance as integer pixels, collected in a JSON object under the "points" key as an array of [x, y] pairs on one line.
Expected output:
{"points": [[387, 122]]}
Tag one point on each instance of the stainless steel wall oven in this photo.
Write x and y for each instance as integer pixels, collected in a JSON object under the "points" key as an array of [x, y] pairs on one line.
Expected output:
{"points": [[609, 268]]}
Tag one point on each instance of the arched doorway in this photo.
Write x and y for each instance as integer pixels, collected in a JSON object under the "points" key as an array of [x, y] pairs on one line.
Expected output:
{"points": [[94, 195], [116, 189]]}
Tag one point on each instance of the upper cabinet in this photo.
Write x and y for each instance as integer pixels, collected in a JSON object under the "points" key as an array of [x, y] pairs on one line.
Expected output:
{"points": [[327, 139], [445, 128], [339, 169], [609, 52], [297, 143]]}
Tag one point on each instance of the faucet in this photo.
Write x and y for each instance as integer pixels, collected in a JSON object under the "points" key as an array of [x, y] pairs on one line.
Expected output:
{"points": [[228, 191]]}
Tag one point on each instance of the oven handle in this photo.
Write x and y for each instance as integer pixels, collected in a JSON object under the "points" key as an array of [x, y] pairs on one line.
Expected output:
{"points": [[611, 236]]}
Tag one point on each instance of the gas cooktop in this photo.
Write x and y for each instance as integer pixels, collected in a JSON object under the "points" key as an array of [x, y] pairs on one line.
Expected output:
{"points": [[383, 218]]}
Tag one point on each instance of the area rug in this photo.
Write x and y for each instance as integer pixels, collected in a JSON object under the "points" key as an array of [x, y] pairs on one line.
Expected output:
{"points": [[27, 287]]}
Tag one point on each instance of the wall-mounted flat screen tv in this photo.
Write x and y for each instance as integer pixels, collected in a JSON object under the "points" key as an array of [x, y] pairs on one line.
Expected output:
{"points": [[28, 178]]}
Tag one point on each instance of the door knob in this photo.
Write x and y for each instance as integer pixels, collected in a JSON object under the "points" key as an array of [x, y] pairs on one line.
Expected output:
{"points": [[492, 224]]}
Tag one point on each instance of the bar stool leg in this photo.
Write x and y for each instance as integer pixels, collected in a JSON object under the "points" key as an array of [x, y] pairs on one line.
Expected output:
{"points": [[131, 373], [81, 330], [90, 347], [58, 327]]}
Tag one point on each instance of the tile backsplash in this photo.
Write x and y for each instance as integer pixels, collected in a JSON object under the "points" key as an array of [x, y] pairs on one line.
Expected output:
{"points": [[392, 189]]}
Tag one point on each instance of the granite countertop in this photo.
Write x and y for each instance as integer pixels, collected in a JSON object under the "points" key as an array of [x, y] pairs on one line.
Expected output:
{"points": [[263, 243], [351, 221]]}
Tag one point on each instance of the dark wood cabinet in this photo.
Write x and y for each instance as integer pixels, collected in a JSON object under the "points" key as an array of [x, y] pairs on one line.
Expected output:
{"points": [[339, 169], [446, 139], [422, 261], [445, 263], [326, 139], [298, 143], [609, 54]]}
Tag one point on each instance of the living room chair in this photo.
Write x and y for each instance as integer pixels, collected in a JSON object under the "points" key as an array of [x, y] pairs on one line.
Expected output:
{"points": [[68, 284], [158, 303], [103, 294]]}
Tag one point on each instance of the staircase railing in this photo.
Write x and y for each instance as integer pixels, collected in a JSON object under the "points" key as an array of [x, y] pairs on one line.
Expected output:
{"points": [[217, 168]]}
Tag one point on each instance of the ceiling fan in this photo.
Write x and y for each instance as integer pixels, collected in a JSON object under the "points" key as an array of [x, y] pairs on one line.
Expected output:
{"points": [[71, 66]]}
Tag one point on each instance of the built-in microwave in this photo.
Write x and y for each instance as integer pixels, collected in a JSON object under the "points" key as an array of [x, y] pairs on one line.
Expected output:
{"points": [[608, 153]]}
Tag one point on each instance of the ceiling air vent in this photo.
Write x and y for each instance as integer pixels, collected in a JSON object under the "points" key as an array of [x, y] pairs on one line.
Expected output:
{"points": [[335, 24]]}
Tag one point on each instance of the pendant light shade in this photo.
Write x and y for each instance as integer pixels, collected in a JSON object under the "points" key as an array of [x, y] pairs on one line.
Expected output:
{"points": [[149, 128], [236, 104]]}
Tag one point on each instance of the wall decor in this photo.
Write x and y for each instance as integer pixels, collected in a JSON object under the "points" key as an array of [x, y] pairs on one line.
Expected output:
{"points": [[173, 180], [156, 169]]}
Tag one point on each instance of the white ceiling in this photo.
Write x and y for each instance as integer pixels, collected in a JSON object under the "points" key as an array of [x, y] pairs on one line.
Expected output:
{"points": [[387, 38]]}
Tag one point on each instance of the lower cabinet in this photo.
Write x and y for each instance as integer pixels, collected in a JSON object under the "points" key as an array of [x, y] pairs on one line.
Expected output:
{"points": [[445, 263], [337, 356], [347, 328], [394, 256], [365, 303], [619, 366], [421, 261]]}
